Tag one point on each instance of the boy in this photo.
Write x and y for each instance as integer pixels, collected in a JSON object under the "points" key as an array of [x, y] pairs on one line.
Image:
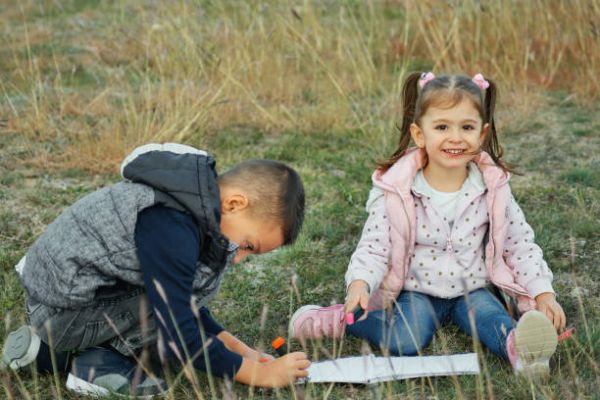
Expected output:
{"points": [[149, 252]]}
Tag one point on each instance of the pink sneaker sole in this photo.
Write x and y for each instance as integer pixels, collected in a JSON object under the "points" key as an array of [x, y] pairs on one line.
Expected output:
{"points": [[328, 322], [296, 315]]}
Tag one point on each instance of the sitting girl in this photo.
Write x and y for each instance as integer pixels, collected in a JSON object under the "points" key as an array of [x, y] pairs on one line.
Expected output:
{"points": [[442, 227]]}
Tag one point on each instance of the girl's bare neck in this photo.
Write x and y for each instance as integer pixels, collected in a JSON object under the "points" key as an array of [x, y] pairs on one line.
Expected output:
{"points": [[445, 180]]}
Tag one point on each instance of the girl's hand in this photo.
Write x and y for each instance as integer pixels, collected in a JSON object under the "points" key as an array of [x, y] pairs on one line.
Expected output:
{"points": [[546, 303], [358, 295]]}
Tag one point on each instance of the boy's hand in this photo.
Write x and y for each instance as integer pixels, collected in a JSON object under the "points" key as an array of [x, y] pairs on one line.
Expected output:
{"points": [[357, 295], [546, 303], [258, 356], [282, 371], [237, 346], [287, 369]]}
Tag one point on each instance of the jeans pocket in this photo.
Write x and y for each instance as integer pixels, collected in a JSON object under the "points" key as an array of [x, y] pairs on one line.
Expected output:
{"points": [[101, 331], [90, 333]]}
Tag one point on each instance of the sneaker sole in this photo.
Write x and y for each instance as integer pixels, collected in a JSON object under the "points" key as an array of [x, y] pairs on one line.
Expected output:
{"points": [[536, 341], [301, 310], [84, 387], [21, 348]]}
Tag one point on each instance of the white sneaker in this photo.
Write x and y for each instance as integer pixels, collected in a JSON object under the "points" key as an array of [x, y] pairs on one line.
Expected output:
{"points": [[20, 349], [101, 372]]}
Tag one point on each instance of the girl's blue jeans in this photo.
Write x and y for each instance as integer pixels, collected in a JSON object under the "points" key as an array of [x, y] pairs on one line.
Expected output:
{"points": [[415, 317]]}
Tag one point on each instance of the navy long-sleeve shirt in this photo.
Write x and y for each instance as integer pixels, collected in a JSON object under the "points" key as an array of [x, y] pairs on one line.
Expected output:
{"points": [[168, 246]]}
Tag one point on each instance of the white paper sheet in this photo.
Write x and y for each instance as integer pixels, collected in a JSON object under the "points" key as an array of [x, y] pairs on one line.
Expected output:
{"points": [[370, 369]]}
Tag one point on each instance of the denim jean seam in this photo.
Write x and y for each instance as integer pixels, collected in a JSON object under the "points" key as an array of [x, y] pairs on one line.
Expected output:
{"points": [[112, 301], [68, 328], [89, 334], [99, 326]]}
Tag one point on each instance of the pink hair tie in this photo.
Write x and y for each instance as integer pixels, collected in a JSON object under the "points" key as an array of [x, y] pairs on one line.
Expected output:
{"points": [[480, 81], [425, 77]]}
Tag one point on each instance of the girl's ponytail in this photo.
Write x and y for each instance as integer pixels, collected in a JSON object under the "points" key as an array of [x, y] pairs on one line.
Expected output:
{"points": [[410, 92], [491, 144]]}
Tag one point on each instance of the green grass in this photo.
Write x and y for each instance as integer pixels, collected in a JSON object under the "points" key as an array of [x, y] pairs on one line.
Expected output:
{"points": [[331, 120]]}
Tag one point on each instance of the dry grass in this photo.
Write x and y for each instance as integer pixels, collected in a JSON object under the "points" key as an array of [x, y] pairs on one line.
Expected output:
{"points": [[552, 44], [96, 80]]}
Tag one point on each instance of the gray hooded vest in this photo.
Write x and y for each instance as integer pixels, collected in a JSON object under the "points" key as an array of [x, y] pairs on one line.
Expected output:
{"points": [[91, 244]]}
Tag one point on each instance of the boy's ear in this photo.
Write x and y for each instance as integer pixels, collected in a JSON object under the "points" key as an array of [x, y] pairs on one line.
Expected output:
{"points": [[233, 201], [417, 135]]}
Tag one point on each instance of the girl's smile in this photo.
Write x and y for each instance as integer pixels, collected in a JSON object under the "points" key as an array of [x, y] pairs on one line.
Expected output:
{"points": [[454, 152]]}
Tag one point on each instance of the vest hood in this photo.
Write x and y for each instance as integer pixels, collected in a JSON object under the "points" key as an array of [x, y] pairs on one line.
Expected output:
{"points": [[183, 178]]}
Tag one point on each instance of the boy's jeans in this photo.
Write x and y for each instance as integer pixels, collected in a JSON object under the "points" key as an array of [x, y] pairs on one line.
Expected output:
{"points": [[416, 317], [119, 317]]}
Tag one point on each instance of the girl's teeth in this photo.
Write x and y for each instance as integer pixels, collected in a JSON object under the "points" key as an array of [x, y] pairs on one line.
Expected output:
{"points": [[454, 151]]}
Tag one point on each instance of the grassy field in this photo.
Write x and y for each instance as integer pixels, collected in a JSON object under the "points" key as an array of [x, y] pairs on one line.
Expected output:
{"points": [[316, 85]]}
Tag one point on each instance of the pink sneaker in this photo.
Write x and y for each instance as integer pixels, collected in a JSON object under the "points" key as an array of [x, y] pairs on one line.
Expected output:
{"points": [[313, 322], [531, 344]]}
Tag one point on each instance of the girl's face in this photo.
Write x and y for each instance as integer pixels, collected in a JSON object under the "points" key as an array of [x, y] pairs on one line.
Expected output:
{"points": [[450, 136]]}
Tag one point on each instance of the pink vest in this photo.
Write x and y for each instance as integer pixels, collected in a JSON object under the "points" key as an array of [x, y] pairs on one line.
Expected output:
{"points": [[397, 182]]}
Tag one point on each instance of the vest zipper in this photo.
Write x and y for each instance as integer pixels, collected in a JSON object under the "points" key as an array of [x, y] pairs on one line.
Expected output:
{"points": [[449, 245]]}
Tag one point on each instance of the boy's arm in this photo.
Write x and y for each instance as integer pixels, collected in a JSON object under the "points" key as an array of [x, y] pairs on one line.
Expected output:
{"points": [[237, 346], [232, 343], [209, 324], [168, 259], [168, 246]]}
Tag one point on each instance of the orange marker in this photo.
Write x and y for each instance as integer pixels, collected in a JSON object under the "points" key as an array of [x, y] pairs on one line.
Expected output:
{"points": [[278, 346]]}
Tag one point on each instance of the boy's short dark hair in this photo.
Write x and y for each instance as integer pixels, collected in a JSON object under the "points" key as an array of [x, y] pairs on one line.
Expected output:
{"points": [[275, 192]]}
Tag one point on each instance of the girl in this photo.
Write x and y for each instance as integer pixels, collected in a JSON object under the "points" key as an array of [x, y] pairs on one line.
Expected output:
{"points": [[442, 227]]}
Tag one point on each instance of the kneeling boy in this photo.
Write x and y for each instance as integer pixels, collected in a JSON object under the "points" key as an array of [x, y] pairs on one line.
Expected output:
{"points": [[133, 265]]}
